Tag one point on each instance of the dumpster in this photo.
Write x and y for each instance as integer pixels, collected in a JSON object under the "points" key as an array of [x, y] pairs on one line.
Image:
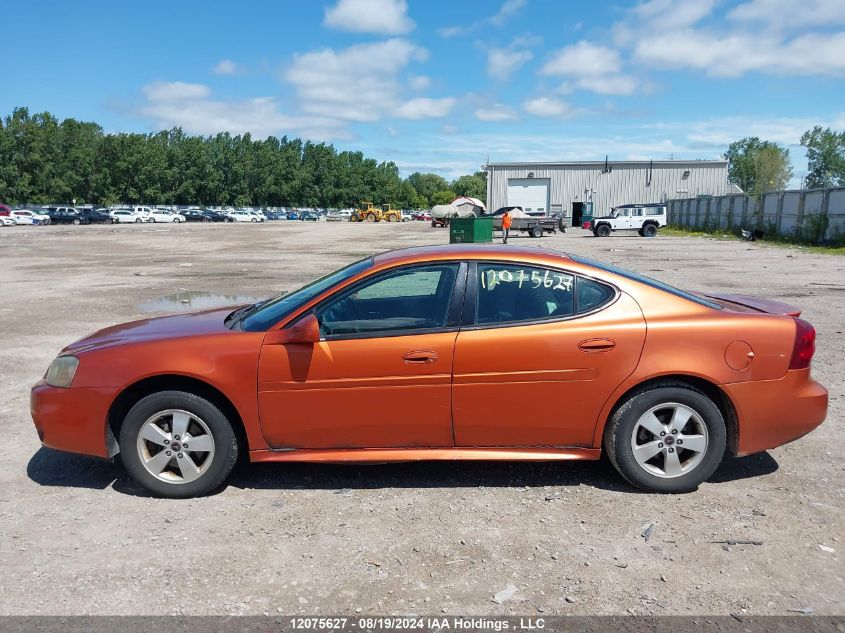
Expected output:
{"points": [[470, 230]]}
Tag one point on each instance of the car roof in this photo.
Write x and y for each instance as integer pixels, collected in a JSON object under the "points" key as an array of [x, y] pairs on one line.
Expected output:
{"points": [[468, 251]]}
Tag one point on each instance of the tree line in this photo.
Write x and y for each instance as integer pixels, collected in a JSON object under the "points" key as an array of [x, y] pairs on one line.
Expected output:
{"points": [[44, 160], [757, 166]]}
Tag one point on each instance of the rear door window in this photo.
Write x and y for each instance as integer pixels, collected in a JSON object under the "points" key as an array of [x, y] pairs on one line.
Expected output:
{"points": [[510, 293]]}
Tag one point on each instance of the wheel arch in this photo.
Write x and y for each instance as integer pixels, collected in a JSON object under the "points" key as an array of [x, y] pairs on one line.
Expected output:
{"points": [[708, 388], [130, 395]]}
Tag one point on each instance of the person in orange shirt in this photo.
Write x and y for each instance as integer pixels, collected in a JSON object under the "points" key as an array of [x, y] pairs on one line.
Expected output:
{"points": [[506, 226]]}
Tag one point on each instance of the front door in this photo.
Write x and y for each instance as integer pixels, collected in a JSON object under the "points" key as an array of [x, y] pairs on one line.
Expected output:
{"points": [[381, 374], [540, 356]]}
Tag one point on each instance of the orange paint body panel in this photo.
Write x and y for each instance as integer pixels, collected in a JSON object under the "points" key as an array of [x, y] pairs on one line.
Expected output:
{"points": [[531, 385], [774, 412], [357, 393], [542, 390]]}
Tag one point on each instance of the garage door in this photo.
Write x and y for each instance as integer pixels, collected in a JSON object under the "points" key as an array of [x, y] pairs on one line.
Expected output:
{"points": [[532, 194]]}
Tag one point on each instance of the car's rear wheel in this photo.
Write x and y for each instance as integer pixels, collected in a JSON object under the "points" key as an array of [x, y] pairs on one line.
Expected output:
{"points": [[177, 444], [668, 438], [77, 221], [603, 230], [649, 230]]}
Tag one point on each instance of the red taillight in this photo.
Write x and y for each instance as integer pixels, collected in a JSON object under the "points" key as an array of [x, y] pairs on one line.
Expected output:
{"points": [[805, 345]]}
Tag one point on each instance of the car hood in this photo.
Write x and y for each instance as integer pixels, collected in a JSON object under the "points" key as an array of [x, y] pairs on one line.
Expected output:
{"points": [[157, 328]]}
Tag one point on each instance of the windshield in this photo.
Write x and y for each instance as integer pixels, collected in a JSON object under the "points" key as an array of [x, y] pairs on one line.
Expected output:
{"points": [[647, 281], [273, 310]]}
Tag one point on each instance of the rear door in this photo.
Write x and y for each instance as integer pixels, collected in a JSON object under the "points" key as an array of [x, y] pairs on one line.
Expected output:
{"points": [[539, 353]]}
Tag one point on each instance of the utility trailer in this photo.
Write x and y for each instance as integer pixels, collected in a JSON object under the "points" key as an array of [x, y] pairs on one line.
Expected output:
{"points": [[535, 226]]}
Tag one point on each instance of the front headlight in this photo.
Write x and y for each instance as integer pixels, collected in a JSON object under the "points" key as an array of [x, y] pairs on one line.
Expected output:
{"points": [[61, 371]]}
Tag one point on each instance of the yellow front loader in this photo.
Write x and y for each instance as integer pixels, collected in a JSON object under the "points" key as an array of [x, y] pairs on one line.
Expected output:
{"points": [[370, 213]]}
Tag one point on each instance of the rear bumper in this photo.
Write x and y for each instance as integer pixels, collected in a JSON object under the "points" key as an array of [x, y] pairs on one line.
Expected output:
{"points": [[73, 420], [774, 412]]}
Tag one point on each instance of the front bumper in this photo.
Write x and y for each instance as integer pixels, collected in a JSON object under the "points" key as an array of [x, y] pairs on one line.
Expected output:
{"points": [[74, 419], [774, 412]]}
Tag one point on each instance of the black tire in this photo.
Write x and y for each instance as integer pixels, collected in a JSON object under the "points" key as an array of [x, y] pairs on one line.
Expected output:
{"points": [[138, 220], [649, 230], [225, 443], [206, 220], [620, 428], [537, 231], [603, 230], [77, 221]]}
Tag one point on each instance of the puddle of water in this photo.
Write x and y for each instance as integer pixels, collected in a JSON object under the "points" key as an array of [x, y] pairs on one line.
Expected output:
{"points": [[188, 300]]}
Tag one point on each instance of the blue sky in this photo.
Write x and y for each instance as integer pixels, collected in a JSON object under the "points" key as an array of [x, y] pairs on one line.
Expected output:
{"points": [[441, 85]]}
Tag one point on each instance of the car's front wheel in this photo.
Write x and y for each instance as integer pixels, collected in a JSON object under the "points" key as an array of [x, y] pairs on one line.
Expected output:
{"points": [[177, 444], [668, 438]]}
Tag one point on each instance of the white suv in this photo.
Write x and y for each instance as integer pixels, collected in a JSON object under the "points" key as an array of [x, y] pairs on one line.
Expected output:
{"points": [[643, 218]]}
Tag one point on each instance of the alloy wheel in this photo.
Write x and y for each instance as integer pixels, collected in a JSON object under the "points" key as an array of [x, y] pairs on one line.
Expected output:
{"points": [[669, 440], [175, 446]]}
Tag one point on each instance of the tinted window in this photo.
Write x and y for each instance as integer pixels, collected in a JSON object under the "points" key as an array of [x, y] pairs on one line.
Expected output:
{"points": [[406, 299], [508, 293], [647, 281], [592, 294], [274, 310], [655, 210]]}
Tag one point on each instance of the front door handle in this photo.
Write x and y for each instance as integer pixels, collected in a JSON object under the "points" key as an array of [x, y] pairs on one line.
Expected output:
{"points": [[420, 357], [596, 345]]}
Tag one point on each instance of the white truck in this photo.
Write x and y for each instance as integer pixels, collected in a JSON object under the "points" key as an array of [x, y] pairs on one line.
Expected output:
{"points": [[643, 218]]}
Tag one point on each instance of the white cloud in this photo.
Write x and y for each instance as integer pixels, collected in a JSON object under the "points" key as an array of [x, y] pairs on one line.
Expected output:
{"points": [[608, 84], [419, 82], [673, 14], [582, 59], [167, 91], [502, 62], [734, 54], [359, 83], [591, 67], [388, 17], [506, 11], [191, 107], [753, 38], [425, 108], [450, 31], [496, 112], [790, 14], [548, 107], [225, 67]]}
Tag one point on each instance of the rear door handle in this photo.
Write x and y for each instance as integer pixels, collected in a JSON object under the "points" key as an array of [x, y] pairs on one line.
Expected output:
{"points": [[596, 345], [420, 357]]}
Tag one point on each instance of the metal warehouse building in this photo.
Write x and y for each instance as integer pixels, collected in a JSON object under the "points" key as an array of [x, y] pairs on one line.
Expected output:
{"points": [[573, 189]]}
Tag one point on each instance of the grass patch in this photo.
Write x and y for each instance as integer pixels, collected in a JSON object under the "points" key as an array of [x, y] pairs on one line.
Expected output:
{"points": [[781, 242]]}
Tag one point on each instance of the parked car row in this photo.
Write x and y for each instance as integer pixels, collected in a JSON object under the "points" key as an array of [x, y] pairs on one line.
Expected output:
{"points": [[139, 214]]}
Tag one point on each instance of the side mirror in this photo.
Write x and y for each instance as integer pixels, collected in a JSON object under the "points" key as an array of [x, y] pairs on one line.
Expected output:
{"points": [[305, 331]]}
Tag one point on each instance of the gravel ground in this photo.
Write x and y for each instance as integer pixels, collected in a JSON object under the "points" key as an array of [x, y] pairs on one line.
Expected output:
{"points": [[78, 537]]}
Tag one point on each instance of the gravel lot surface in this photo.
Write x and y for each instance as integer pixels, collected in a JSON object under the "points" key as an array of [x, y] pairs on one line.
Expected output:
{"points": [[78, 537]]}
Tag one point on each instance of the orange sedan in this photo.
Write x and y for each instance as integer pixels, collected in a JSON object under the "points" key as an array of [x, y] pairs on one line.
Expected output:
{"points": [[452, 352]]}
